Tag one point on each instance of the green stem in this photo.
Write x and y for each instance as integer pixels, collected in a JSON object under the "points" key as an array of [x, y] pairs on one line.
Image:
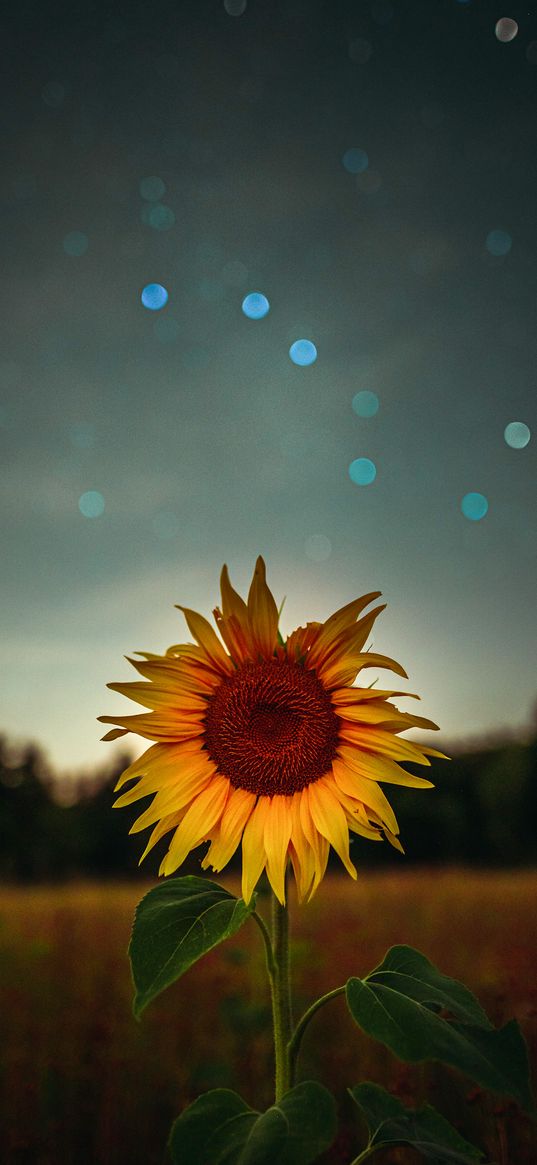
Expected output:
{"points": [[367, 1152], [294, 1045], [281, 997]]}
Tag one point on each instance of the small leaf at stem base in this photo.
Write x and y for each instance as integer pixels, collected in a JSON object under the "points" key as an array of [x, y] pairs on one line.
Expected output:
{"points": [[219, 1128]]}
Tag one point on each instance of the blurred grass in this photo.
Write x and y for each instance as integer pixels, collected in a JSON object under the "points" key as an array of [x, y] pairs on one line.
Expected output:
{"points": [[82, 1082]]}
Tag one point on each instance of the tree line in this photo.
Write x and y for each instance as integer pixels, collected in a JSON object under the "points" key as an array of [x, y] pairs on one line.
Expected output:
{"points": [[482, 812]]}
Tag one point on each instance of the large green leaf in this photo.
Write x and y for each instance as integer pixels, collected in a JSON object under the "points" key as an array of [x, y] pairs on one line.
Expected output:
{"points": [[219, 1128], [399, 1004], [175, 924], [390, 1123]]}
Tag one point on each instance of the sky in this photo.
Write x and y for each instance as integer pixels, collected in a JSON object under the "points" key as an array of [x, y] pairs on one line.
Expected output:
{"points": [[371, 169]]}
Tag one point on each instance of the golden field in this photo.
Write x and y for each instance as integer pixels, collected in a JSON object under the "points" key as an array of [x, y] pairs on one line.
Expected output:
{"points": [[83, 1082]]}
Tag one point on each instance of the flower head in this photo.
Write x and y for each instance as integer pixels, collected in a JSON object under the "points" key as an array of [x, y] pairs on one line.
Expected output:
{"points": [[267, 742]]}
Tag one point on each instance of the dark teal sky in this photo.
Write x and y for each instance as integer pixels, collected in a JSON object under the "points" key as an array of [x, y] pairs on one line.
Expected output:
{"points": [[206, 443]]}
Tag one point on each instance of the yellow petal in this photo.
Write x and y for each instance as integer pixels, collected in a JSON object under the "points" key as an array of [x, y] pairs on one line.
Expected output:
{"points": [[197, 823], [385, 743], [167, 670], [158, 697], [299, 642], [367, 791], [382, 713], [232, 603], [156, 726], [170, 773], [329, 818], [337, 674], [262, 613], [338, 622], [351, 696], [238, 808], [300, 852], [379, 768], [349, 642], [276, 838], [253, 848], [201, 629]]}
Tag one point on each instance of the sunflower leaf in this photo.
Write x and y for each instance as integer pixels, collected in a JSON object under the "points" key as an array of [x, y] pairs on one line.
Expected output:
{"points": [[401, 1004], [175, 924], [219, 1128], [426, 1130]]}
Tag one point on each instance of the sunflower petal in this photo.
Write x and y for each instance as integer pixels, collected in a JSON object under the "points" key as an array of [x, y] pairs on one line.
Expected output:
{"points": [[262, 613], [344, 671], [366, 791], [202, 631], [380, 768], [229, 832], [253, 849], [197, 823], [276, 837], [329, 818]]}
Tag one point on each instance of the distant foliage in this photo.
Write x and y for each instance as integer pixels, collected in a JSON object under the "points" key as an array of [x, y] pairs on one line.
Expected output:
{"points": [[483, 811]]}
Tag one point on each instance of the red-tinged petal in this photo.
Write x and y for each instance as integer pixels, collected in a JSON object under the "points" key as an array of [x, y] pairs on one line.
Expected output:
{"points": [[262, 613], [358, 695], [347, 644], [332, 628], [342, 674], [299, 642]]}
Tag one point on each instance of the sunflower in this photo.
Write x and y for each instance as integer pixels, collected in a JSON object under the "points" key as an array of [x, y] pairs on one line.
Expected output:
{"points": [[267, 742]]}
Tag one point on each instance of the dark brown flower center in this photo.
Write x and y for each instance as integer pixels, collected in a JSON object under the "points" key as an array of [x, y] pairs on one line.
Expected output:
{"points": [[271, 728]]}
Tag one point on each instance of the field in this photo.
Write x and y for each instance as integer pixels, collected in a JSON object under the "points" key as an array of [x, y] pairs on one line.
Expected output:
{"points": [[82, 1082]]}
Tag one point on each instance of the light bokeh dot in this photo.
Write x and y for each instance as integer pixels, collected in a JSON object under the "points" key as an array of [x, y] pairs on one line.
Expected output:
{"points": [[506, 29], [154, 296], [152, 188], [355, 160], [91, 504], [365, 403], [160, 217], [318, 547], [474, 506], [75, 244], [517, 434], [362, 471], [255, 305], [303, 353], [235, 7], [498, 242]]}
